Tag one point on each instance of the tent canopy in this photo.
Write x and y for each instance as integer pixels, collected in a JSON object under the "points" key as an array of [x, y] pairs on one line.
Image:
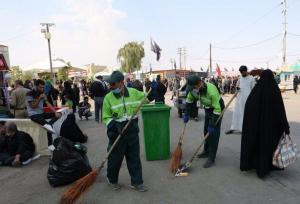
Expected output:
{"points": [[295, 67], [44, 66]]}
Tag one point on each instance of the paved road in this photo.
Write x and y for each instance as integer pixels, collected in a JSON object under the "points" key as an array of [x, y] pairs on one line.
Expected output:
{"points": [[224, 183]]}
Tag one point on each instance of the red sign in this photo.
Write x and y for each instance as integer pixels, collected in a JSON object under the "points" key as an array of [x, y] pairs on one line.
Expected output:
{"points": [[3, 65]]}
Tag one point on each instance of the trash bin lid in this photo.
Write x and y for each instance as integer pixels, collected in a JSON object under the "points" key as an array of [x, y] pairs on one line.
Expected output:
{"points": [[155, 107]]}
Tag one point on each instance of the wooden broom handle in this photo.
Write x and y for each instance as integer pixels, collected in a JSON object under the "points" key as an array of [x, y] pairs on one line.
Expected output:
{"points": [[207, 134], [182, 134], [123, 130]]}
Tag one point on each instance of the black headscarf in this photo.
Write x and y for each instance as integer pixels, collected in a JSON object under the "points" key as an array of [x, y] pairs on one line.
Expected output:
{"points": [[70, 130], [264, 123]]}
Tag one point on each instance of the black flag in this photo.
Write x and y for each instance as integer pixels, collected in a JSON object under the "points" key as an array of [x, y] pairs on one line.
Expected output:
{"points": [[201, 69], [156, 49]]}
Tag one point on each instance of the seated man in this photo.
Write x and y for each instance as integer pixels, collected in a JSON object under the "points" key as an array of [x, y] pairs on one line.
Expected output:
{"points": [[17, 148], [84, 108], [35, 100]]}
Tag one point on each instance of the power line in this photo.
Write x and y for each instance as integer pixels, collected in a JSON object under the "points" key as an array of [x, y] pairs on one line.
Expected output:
{"points": [[294, 55], [242, 60], [20, 35], [293, 34], [250, 24], [249, 45]]}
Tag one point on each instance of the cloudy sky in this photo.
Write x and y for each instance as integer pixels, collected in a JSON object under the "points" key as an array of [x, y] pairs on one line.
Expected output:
{"points": [[241, 32]]}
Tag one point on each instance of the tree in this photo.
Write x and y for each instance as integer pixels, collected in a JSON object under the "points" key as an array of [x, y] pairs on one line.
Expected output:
{"points": [[62, 74], [16, 73], [131, 56], [28, 75]]}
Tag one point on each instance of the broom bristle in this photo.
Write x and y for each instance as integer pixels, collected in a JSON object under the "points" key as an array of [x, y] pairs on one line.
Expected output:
{"points": [[79, 187], [176, 159]]}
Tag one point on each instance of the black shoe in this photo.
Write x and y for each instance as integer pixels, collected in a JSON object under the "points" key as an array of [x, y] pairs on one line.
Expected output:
{"points": [[202, 155], [209, 163], [229, 132]]}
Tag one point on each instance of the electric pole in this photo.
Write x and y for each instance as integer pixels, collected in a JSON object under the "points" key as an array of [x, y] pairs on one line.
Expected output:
{"points": [[184, 56], [179, 51], [284, 11], [48, 37], [172, 63], [210, 61]]}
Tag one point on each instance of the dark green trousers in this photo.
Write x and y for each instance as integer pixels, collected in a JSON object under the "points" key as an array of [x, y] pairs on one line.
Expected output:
{"points": [[128, 147], [212, 142]]}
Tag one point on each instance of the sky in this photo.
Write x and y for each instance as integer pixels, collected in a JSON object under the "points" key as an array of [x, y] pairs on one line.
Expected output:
{"points": [[92, 31]]}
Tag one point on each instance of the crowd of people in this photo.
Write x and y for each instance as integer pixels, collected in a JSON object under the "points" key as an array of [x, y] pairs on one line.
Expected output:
{"points": [[259, 115]]}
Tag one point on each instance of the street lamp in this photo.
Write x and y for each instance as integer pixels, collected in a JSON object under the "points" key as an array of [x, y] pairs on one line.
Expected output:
{"points": [[47, 35]]}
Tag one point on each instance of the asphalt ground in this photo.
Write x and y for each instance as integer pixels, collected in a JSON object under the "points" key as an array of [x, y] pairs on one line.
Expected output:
{"points": [[223, 183]]}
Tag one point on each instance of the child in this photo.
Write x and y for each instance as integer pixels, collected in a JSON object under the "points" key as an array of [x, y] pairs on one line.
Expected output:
{"points": [[84, 108]]}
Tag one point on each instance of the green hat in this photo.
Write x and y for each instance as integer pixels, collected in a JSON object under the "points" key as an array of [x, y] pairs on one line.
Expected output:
{"points": [[115, 77], [191, 82]]}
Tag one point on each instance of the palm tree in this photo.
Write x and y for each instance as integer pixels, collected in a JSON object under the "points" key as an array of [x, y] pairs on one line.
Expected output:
{"points": [[131, 56]]}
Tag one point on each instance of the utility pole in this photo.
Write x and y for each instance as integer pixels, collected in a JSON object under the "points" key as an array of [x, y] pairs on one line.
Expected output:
{"points": [[184, 57], [172, 63], [48, 37], [284, 11], [210, 61], [179, 51], [267, 63]]}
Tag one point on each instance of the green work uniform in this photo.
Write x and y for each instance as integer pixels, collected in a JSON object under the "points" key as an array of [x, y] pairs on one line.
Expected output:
{"points": [[117, 110], [213, 104]]}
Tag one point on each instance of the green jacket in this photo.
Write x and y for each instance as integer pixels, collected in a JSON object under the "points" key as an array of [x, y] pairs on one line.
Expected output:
{"points": [[210, 98], [121, 108]]}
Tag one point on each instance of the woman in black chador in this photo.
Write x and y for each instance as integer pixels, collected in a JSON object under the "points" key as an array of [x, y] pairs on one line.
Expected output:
{"points": [[264, 123]]}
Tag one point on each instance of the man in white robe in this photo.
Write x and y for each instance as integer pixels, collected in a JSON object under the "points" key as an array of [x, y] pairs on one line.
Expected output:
{"points": [[244, 86]]}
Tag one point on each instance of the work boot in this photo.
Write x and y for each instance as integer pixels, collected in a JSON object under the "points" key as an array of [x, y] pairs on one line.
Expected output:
{"points": [[209, 163], [139, 188], [202, 155], [229, 132], [114, 186]]}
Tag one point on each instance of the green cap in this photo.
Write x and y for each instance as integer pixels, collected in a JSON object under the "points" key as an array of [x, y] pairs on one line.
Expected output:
{"points": [[193, 80], [115, 77]]}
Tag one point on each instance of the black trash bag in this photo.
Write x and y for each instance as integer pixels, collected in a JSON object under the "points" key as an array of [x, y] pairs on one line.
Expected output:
{"points": [[68, 163]]}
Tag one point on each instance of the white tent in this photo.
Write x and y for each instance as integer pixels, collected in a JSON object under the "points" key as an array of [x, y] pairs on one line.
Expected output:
{"points": [[44, 66]]}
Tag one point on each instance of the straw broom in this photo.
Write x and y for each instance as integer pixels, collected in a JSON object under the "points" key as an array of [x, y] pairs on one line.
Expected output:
{"points": [[82, 184], [189, 163], [177, 154]]}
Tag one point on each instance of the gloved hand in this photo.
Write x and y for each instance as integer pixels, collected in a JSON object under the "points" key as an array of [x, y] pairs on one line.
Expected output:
{"points": [[211, 130], [186, 118]]}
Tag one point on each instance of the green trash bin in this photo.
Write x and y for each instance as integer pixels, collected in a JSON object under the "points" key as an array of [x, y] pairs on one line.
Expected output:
{"points": [[156, 131]]}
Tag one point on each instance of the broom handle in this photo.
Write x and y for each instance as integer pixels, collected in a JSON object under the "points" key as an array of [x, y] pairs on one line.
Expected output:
{"points": [[207, 134], [182, 134], [123, 130]]}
